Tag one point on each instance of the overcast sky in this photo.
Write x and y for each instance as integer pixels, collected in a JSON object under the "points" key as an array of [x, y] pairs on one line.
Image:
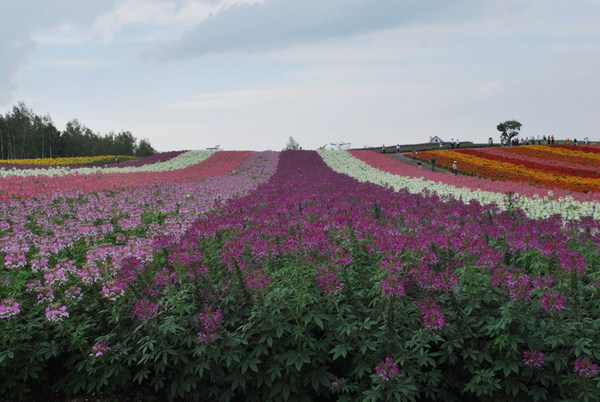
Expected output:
{"points": [[248, 74]]}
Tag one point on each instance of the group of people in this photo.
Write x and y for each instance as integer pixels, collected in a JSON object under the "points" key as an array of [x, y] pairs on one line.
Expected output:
{"points": [[384, 149], [586, 141], [539, 140], [454, 143], [432, 162]]}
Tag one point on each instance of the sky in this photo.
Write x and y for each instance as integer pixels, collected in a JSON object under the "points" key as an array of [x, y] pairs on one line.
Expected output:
{"points": [[249, 74]]}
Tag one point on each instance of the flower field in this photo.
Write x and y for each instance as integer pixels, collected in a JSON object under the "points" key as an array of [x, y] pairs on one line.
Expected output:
{"points": [[298, 275], [80, 160], [568, 167]]}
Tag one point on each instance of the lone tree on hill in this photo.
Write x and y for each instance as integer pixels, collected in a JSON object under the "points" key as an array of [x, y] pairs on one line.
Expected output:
{"points": [[292, 144], [509, 129]]}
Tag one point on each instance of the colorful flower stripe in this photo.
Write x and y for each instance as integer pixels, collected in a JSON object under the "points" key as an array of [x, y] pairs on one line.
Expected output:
{"points": [[507, 171], [216, 165], [534, 207], [159, 157], [595, 149], [391, 165], [85, 238], [504, 152], [77, 160], [576, 155], [178, 162], [561, 169], [552, 156]]}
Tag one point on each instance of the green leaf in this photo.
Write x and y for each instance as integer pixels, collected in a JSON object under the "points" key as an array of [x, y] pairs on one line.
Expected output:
{"points": [[339, 350]]}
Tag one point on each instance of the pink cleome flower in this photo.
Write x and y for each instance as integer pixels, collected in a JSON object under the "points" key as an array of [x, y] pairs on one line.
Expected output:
{"points": [[585, 367], [552, 301], [145, 309], [210, 320], [99, 349], [392, 286], [327, 281], [56, 312], [533, 358], [432, 316], [9, 308], [386, 369]]}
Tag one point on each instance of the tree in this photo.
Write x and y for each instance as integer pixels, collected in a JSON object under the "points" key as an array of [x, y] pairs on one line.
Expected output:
{"points": [[509, 129], [144, 148], [292, 144], [24, 134]]}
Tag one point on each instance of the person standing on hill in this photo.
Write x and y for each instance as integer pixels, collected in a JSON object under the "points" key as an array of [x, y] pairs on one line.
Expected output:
{"points": [[454, 168], [414, 155], [432, 160], [397, 148]]}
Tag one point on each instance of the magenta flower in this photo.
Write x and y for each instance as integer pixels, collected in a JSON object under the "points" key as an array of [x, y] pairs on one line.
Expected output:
{"points": [[256, 280], [327, 281], [9, 308], [519, 288], [113, 290], [145, 309], [533, 358], [552, 301], [99, 349], [73, 292], [571, 260], [386, 369], [210, 320], [585, 367], [56, 312], [432, 316], [392, 286], [165, 277]]}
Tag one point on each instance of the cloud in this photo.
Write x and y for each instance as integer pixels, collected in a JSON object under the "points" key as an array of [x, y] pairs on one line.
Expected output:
{"points": [[21, 20], [274, 24]]}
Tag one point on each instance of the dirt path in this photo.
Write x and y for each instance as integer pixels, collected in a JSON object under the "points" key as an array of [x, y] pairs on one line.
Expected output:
{"points": [[426, 165]]}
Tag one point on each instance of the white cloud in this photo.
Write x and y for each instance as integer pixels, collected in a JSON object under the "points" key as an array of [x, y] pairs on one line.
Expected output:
{"points": [[278, 24], [21, 21], [285, 94], [491, 88]]}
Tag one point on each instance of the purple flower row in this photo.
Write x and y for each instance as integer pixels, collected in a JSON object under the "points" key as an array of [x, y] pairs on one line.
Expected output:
{"points": [[72, 241], [308, 211]]}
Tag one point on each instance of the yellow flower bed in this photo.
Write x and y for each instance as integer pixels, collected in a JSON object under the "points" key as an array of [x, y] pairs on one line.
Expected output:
{"points": [[77, 160], [566, 152]]}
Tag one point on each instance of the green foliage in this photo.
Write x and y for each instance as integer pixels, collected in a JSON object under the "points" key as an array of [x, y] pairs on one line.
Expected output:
{"points": [[24, 134], [292, 144], [509, 129], [293, 342]]}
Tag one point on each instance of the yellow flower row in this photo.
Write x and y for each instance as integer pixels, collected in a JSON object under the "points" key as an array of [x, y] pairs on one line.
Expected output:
{"points": [[518, 169], [566, 152], [77, 160]]}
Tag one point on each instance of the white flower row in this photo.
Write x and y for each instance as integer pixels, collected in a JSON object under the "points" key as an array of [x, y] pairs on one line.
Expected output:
{"points": [[179, 162], [536, 207]]}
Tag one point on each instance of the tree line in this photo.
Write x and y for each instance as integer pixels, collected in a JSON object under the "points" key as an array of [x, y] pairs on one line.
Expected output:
{"points": [[25, 134]]}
